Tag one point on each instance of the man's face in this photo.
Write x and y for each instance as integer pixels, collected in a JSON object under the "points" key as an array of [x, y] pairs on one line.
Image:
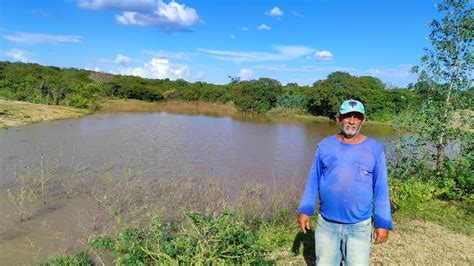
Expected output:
{"points": [[350, 123]]}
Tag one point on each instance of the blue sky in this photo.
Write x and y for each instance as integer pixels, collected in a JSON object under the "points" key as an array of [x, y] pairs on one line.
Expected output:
{"points": [[291, 41]]}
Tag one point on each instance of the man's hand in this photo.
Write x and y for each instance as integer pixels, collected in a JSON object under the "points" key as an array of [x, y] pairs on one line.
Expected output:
{"points": [[380, 235], [303, 222]]}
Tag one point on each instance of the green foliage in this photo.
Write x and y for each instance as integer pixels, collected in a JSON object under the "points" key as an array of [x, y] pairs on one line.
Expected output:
{"points": [[426, 171], [416, 164], [77, 259], [255, 95], [407, 197], [292, 100], [445, 71], [211, 238], [86, 89], [327, 95], [454, 215]]}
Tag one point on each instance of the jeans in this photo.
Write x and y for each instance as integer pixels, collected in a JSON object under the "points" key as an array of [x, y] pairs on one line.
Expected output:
{"points": [[336, 241]]}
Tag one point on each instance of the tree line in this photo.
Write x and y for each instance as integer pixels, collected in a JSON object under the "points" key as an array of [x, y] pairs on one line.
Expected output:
{"points": [[85, 89]]}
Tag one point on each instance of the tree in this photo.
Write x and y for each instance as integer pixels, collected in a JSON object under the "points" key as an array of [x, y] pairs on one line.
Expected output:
{"points": [[445, 71], [328, 94]]}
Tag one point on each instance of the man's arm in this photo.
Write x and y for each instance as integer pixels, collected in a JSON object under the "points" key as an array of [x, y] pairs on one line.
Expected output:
{"points": [[308, 200], [382, 214]]}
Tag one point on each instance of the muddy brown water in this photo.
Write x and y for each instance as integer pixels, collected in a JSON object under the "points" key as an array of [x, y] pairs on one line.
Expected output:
{"points": [[159, 146]]}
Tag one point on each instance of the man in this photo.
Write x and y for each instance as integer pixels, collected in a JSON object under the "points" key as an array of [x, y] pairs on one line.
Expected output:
{"points": [[349, 177]]}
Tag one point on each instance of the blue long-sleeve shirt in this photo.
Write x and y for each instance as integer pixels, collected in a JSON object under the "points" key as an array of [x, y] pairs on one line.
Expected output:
{"points": [[349, 179]]}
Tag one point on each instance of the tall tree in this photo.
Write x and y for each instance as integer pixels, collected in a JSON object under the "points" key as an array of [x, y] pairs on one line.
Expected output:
{"points": [[445, 70]]}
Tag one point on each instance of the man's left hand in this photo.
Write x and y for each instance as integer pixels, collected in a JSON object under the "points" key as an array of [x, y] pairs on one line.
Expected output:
{"points": [[380, 235]]}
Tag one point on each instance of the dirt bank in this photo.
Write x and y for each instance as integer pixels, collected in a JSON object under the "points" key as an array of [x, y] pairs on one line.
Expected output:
{"points": [[16, 113], [411, 243]]}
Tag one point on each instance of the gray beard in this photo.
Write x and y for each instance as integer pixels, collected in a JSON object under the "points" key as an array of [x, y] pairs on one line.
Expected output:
{"points": [[347, 134]]}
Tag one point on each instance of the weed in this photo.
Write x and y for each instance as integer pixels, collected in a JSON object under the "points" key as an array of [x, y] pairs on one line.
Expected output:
{"points": [[204, 239], [23, 197], [77, 259]]}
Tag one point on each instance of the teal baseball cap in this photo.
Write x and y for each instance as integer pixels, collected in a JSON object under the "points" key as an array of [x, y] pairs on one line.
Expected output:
{"points": [[349, 106]]}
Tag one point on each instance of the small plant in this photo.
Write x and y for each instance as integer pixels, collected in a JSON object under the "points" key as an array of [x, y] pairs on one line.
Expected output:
{"points": [[22, 198]]}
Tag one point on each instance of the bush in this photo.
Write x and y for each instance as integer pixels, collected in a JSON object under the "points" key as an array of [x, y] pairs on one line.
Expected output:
{"points": [[292, 100], [205, 238], [407, 197]]}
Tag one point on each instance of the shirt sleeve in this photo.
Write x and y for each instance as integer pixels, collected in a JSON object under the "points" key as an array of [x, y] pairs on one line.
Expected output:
{"points": [[382, 214], [308, 200]]}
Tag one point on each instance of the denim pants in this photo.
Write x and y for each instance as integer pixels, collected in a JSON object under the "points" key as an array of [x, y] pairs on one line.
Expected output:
{"points": [[336, 241]]}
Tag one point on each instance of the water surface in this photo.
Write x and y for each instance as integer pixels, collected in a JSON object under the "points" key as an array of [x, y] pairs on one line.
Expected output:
{"points": [[159, 146]]}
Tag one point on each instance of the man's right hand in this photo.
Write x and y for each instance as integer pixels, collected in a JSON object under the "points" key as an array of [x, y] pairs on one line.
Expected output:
{"points": [[303, 222]]}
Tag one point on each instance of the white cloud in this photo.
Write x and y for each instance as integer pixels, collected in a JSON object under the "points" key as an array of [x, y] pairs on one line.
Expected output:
{"points": [[32, 38], [97, 69], [157, 68], [275, 12], [296, 14], [402, 71], [17, 55], [122, 59], [168, 55], [264, 27], [323, 55], [283, 53], [244, 28], [245, 73], [232, 36], [42, 13], [200, 74], [117, 5], [171, 17], [305, 69]]}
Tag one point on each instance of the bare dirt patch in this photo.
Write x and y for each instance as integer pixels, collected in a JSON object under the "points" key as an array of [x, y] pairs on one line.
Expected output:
{"points": [[17, 113], [410, 243]]}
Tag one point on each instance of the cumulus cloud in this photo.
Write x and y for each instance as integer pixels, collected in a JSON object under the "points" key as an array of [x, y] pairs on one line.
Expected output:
{"points": [[245, 73], [122, 59], [157, 68], [17, 55], [244, 28], [282, 53], [323, 55], [264, 27], [275, 12], [171, 17], [33, 38], [232, 36]]}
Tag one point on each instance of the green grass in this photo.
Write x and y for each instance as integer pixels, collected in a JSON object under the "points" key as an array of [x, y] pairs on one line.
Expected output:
{"points": [[454, 215], [457, 216], [77, 259]]}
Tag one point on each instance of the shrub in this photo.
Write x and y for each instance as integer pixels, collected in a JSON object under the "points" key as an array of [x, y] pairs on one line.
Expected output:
{"points": [[205, 238]]}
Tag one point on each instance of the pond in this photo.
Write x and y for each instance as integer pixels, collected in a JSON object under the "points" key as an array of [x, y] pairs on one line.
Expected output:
{"points": [[153, 146]]}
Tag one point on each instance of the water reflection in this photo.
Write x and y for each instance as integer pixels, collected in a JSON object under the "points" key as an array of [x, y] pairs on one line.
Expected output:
{"points": [[164, 145], [254, 155]]}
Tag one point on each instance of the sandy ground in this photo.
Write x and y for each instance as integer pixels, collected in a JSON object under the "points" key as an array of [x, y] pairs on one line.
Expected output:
{"points": [[413, 243], [16, 113]]}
